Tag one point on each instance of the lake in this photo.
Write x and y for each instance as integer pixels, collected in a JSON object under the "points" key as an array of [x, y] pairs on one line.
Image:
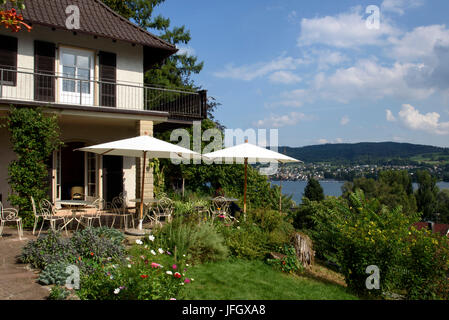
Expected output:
{"points": [[330, 188]]}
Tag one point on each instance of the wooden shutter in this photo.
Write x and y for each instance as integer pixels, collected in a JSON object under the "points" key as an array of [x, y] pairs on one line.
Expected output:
{"points": [[8, 60], [44, 63], [107, 73]]}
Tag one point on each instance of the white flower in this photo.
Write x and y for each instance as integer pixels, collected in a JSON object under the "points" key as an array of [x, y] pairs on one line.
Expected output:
{"points": [[192, 279], [183, 255], [187, 264], [129, 266], [153, 252], [117, 291], [146, 246], [111, 277], [160, 250], [169, 272], [182, 283], [128, 258], [139, 241], [151, 237]]}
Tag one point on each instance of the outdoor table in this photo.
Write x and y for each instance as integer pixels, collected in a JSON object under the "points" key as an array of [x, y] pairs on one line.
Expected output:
{"points": [[76, 204], [148, 202]]}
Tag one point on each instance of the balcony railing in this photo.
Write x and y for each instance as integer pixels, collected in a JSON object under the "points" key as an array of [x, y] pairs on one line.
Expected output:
{"points": [[25, 86]]}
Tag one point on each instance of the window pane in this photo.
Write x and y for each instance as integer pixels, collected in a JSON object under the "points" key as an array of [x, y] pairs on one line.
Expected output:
{"points": [[83, 62], [68, 85], [68, 59], [84, 74]]}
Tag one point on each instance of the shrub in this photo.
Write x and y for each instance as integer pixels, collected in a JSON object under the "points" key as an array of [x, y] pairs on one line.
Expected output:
{"points": [[289, 263], [140, 277], [54, 273], [427, 265], [200, 242], [58, 293]]}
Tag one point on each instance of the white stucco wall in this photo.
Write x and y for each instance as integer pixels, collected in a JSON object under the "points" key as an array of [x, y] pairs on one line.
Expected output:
{"points": [[129, 63]]}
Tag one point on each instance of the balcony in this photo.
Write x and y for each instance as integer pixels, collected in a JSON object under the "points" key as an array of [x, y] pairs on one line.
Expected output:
{"points": [[49, 89]]}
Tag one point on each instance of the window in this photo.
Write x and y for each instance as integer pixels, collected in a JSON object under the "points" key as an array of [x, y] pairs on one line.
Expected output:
{"points": [[76, 66], [8, 60]]}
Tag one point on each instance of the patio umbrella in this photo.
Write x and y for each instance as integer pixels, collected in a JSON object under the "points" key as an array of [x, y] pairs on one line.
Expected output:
{"points": [[141, 146], [245, 152]]}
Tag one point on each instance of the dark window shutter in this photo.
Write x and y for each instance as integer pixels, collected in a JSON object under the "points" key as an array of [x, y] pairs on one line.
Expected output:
{"points": [[44, 63], [108, 77], [8, 60]]}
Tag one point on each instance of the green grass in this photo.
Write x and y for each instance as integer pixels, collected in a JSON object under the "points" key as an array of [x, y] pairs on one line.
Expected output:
{"points": [[255, 280]]}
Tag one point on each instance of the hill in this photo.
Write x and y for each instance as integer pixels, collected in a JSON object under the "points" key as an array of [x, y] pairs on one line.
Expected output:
{"points": [[368, 152]]}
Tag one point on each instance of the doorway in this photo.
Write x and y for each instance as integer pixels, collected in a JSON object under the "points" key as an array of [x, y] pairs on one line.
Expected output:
{"points": [[112, 177], [72, 169]]}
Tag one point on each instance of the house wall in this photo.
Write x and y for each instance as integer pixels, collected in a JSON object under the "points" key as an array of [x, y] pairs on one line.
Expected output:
{"points": [[129, 63]]}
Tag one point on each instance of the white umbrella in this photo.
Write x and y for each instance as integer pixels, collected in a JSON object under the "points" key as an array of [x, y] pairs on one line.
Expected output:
{"points": [[139, 147], [245, 152]]}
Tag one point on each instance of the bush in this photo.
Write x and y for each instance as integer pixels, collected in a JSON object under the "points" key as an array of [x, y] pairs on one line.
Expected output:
{"points": [[289, 263], [148, 274], [199, 242], [85, 247], [54, 273], [58, 293], [427, 265]]}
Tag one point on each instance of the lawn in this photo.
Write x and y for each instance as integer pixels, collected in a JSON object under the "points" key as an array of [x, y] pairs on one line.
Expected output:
{"points": [[255, 280]]}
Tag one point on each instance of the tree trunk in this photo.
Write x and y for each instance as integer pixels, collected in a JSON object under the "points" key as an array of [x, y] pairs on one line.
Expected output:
{"points": [[304, 249]]}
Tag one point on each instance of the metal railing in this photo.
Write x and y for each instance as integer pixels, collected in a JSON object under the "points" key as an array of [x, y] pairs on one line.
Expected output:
{"points": [[23, 86]]}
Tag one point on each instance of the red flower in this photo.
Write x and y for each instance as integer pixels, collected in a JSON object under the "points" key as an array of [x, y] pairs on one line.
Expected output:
{"points": [[177, 275], [92, 254], [144, 276]]}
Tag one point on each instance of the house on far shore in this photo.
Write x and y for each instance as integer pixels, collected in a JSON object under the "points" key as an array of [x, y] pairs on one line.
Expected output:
{"points": [[92, 78], [440, 228]]}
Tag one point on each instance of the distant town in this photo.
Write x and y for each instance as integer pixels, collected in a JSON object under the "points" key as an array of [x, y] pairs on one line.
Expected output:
{"points": [[346, 172]]}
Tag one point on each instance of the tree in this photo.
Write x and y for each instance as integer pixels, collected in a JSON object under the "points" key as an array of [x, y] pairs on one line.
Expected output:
{"points": [[426, 195], [175, 71], [443, 206], [9, 17], [313, 190]]}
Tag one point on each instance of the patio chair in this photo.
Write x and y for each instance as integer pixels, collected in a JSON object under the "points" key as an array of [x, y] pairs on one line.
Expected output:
{"points": [[37, 214], [220, 209], [164, 209], [10, 215], [119, 210], [99, 206], [48, 213]]}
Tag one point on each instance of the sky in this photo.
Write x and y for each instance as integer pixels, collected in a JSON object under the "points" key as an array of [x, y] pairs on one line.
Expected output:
{"points": [[324, 71]]}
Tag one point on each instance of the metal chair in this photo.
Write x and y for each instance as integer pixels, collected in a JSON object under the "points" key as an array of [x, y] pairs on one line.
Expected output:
{"points": [[119, 210], [37, 214], [48, 213], [99, 205], [10, 215], [164, 209], [220, 208]]}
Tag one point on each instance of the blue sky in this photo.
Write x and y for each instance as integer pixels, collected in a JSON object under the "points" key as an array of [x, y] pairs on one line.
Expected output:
{"points": [[316, 72]]}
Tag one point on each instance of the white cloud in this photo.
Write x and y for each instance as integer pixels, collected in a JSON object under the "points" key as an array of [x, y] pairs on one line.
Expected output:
{"points": [[186, 51], [390, 116], [399, 6], [279, 121], [294, 98], [251, 72], [284, 77], [429, 122], [323, 141], [345, 30], [344, 121], [339, 140]]}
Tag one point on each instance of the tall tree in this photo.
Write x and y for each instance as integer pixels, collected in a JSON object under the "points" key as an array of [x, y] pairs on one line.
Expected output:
{"points": [[177, 70], [426, 195], [313, 190]]}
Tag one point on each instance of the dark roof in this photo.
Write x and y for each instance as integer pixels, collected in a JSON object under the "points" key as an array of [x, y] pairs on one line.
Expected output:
{"points": [[440, 228], [97, 19]]}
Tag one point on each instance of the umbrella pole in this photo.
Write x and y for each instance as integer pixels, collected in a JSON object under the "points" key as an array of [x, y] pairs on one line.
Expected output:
{"points": [[244, 190], [142, 190]]}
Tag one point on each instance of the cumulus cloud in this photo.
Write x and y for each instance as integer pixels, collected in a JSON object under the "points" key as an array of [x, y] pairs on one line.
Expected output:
{"points": [[345, 30], [429, 122], [279, 121], [390, 116], [399, 6]]}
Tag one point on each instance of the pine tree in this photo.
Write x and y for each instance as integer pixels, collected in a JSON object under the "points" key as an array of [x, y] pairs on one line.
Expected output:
{"points": [[313, 190]]}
